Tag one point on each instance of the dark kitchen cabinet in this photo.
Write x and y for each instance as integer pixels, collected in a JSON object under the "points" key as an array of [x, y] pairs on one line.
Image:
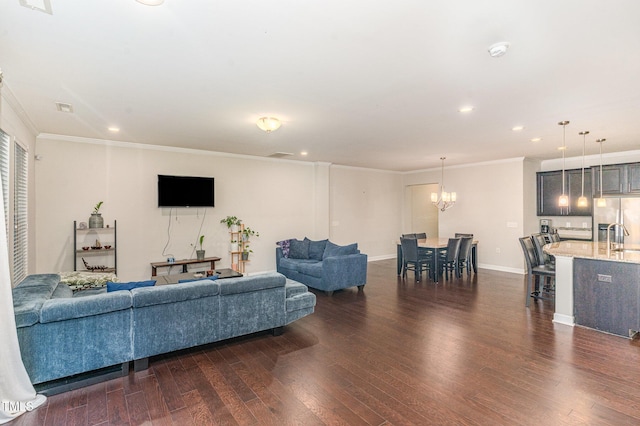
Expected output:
{"points": [[549, 186], [617, 179], [606, 294]]}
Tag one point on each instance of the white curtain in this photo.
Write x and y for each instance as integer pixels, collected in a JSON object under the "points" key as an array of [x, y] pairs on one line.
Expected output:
{"points": [[17, 395]]}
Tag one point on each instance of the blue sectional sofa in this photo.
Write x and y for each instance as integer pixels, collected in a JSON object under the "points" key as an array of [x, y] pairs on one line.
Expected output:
{"points": [[322, 264], [62, 334]]}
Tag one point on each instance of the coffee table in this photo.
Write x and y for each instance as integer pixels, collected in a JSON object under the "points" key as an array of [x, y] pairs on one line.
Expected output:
{"points": [[174, 278]]}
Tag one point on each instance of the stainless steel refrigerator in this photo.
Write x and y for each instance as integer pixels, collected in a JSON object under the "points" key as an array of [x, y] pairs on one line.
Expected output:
{"points": [[617, 210]]}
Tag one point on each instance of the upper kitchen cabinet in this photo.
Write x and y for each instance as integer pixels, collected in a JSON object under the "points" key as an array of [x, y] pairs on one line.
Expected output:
{"points": [[617, 179], [550, 190]]}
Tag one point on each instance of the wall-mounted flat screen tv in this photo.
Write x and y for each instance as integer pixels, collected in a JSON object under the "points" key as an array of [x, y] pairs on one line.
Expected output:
{"points": [[185, 191]]}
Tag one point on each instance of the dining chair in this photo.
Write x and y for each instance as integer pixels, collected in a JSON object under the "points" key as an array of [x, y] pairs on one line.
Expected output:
{"points": [[408, 235], [534, 271], [459, 235], [449, 258], [421, 236], [413, 260], [464, 257], [555, 237]]}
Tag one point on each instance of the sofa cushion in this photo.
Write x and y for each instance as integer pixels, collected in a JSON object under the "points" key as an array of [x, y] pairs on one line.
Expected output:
{"points": [[299, 249], [62, 291], [81, 280], [316, 248], [335, 250], [293, 288], [69, 308], [313, 269], [129, 286], [294, 264], [285, 246], [30, 294], [252, 283], [158, 295]]}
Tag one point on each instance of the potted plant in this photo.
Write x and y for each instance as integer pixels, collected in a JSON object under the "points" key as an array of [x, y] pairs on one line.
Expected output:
{"points": [[96, 220], [248, 233], [200, 253], [245, 252], [232, 223]]}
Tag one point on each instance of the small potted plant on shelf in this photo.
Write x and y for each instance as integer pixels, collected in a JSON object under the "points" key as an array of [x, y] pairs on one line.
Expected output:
{"points": [[200, 253], [232, 223], [245, 252], [96, 220], [248, 233]]}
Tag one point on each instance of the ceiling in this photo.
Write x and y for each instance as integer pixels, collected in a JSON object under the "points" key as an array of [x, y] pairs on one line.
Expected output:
{"points": [[358, 83]]}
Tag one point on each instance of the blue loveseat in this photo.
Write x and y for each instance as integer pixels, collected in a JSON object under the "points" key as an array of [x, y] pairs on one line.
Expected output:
{"points": [[322, 265], [62, 334]]}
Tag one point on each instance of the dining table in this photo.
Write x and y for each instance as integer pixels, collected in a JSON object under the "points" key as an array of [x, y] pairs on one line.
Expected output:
{"points": [[438, 245]]}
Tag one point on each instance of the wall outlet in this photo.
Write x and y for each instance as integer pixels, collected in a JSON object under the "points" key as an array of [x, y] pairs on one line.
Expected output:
{"points": [[585, 225], [512, 224], [568, 224], [497, 249]]}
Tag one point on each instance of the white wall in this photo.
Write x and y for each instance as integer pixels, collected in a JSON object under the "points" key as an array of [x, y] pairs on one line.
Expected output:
{"points": [[366, 207], [274, 197], [490, 205]]}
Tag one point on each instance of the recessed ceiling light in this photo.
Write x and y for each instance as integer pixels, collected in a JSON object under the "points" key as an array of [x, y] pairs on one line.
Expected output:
{"points": [[114, 129], [465, 109], [304, 153], [536, 139], [517, 128], [151, 2], [498, 49], [562, 148], [64, 107]]}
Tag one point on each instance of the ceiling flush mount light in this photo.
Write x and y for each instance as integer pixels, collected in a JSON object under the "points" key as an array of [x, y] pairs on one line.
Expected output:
{"points": [[517, 128], [582, 201], [498, 49], [151, 2], [601, 202], [39, 5], [465, 109], [113, 129], [268, 124], [563, 201], [443, 200], [536, 139]]}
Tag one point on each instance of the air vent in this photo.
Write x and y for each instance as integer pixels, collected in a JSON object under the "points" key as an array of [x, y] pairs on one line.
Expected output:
{"points": [[280, 154], [62, 107], [40, 5]]}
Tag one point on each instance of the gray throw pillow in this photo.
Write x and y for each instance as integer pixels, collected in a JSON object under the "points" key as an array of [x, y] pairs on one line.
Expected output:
{"points": [[316, 248], [299, 249], [335, 250]]}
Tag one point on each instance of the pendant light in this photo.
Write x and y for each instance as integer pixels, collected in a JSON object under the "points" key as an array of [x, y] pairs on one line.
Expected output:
{"points": [[601, 202], [582, 201], [444, 199], [563, 201]]}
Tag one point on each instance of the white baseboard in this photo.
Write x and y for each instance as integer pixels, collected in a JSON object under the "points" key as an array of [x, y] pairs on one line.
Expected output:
{"points": [[564, 319]]}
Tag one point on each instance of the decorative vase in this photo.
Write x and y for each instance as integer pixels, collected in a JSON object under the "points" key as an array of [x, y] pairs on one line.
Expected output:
{"points": [[234, 228], [96, 220], [200, 254], [245, 256], [234, 247]]}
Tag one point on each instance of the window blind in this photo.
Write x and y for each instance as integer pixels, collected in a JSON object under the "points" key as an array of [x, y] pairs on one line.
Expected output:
{"points": [[20, 213], [4, 175]]}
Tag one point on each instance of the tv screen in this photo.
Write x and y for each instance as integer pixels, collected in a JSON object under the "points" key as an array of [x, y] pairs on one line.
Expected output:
{"points": [[185, 191]]}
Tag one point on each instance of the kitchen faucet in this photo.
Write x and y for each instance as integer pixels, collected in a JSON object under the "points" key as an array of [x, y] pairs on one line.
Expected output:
{"points": [[624, 230]]}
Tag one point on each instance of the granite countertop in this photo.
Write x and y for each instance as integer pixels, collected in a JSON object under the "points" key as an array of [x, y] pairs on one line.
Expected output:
{"points": [[591, 250]]}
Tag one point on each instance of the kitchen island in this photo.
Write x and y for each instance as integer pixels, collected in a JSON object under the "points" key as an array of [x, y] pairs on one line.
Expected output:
{"points": [[597, 287]]}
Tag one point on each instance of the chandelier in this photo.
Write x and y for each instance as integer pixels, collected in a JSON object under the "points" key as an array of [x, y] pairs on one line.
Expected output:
{"points": [[443, 200]]}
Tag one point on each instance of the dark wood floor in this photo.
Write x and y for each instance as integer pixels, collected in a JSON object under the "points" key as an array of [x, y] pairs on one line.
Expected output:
{"points": [[460, 352]]}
